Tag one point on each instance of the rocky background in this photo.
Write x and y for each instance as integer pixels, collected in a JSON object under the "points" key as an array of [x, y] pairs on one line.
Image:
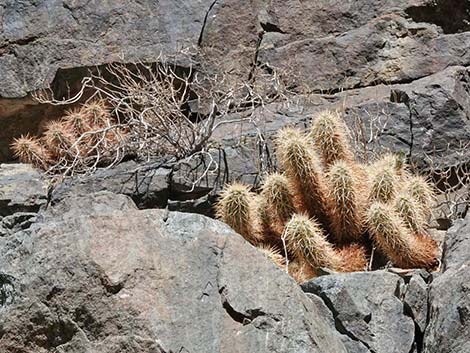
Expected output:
{"points": [[105, 263]]}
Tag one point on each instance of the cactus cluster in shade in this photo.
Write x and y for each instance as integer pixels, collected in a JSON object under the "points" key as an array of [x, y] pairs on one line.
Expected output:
{"points": [[326, 210], [86, 132]]}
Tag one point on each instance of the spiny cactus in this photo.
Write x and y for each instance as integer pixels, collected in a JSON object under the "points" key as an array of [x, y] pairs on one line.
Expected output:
{"points": [[396, 240], [385, 181], [301, 270], [331, 215], [28, 149], [58, 138], [329, 134], [97, 113], [273, 255], [279, 201], [353, 258], [77, 121], [422, 191], [235, 207], [302, 167], [305, 238], [347, 203], [411, 212]]}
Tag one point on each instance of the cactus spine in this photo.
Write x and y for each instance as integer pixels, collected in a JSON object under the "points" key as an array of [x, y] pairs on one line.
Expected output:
{"points": [[329, 134], [279, 201], [29, 149], [347, 206], [396, 241], [305, 238], [302, 167], [235, 207]]}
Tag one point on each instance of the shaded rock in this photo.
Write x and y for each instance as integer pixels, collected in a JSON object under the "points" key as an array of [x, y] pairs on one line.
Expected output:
{"points": [[97, 275], [22, 189], [38, 37], [366, 307], [416, 298], [457, 245], [449, 314], [16, 222], [148, 184]]}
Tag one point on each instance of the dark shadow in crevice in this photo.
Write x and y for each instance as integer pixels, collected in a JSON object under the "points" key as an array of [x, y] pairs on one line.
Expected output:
{"points": [[453, 16]]}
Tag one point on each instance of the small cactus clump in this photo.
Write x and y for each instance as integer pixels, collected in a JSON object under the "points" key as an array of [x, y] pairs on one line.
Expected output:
{"points": [[327, 210], [29, 149], [84, 136]]}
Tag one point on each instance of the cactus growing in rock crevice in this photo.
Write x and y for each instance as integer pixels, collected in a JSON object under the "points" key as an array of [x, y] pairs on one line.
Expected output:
{"points": [[81, 140], [327, 210]]}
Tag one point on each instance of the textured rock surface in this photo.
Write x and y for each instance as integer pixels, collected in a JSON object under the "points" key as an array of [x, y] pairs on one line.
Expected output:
{"points": [[367, 307], [148, 184], [449, 315], [95, 274], [21, 189], [326, 46]]}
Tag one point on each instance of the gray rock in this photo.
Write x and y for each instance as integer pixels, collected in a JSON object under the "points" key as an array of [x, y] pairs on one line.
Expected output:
{"points": [[148, 184], [22, 189], [38, 37], [367, 308], [352, 346], [449, 314], [457, 244], [95, 274], [416, 299]]}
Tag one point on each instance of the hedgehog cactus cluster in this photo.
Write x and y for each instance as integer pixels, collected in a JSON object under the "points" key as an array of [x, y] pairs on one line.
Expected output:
{"points": [[324, 209], [82, 133]]}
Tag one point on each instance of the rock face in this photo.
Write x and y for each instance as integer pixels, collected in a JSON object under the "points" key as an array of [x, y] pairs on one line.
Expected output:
{"points": [[23, 192], [357, 48], [449, 315], [95, 274], [367, 308]]}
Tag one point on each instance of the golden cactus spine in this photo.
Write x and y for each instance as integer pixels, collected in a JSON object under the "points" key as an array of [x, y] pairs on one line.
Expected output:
{"points": [[273, 255], [330, 136], [306, 240], [28, 149], [411, 212], [279, 202], [304, 171], [347, 206], [385, 181], [394, 239], [235, 207], [422, 191]]}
